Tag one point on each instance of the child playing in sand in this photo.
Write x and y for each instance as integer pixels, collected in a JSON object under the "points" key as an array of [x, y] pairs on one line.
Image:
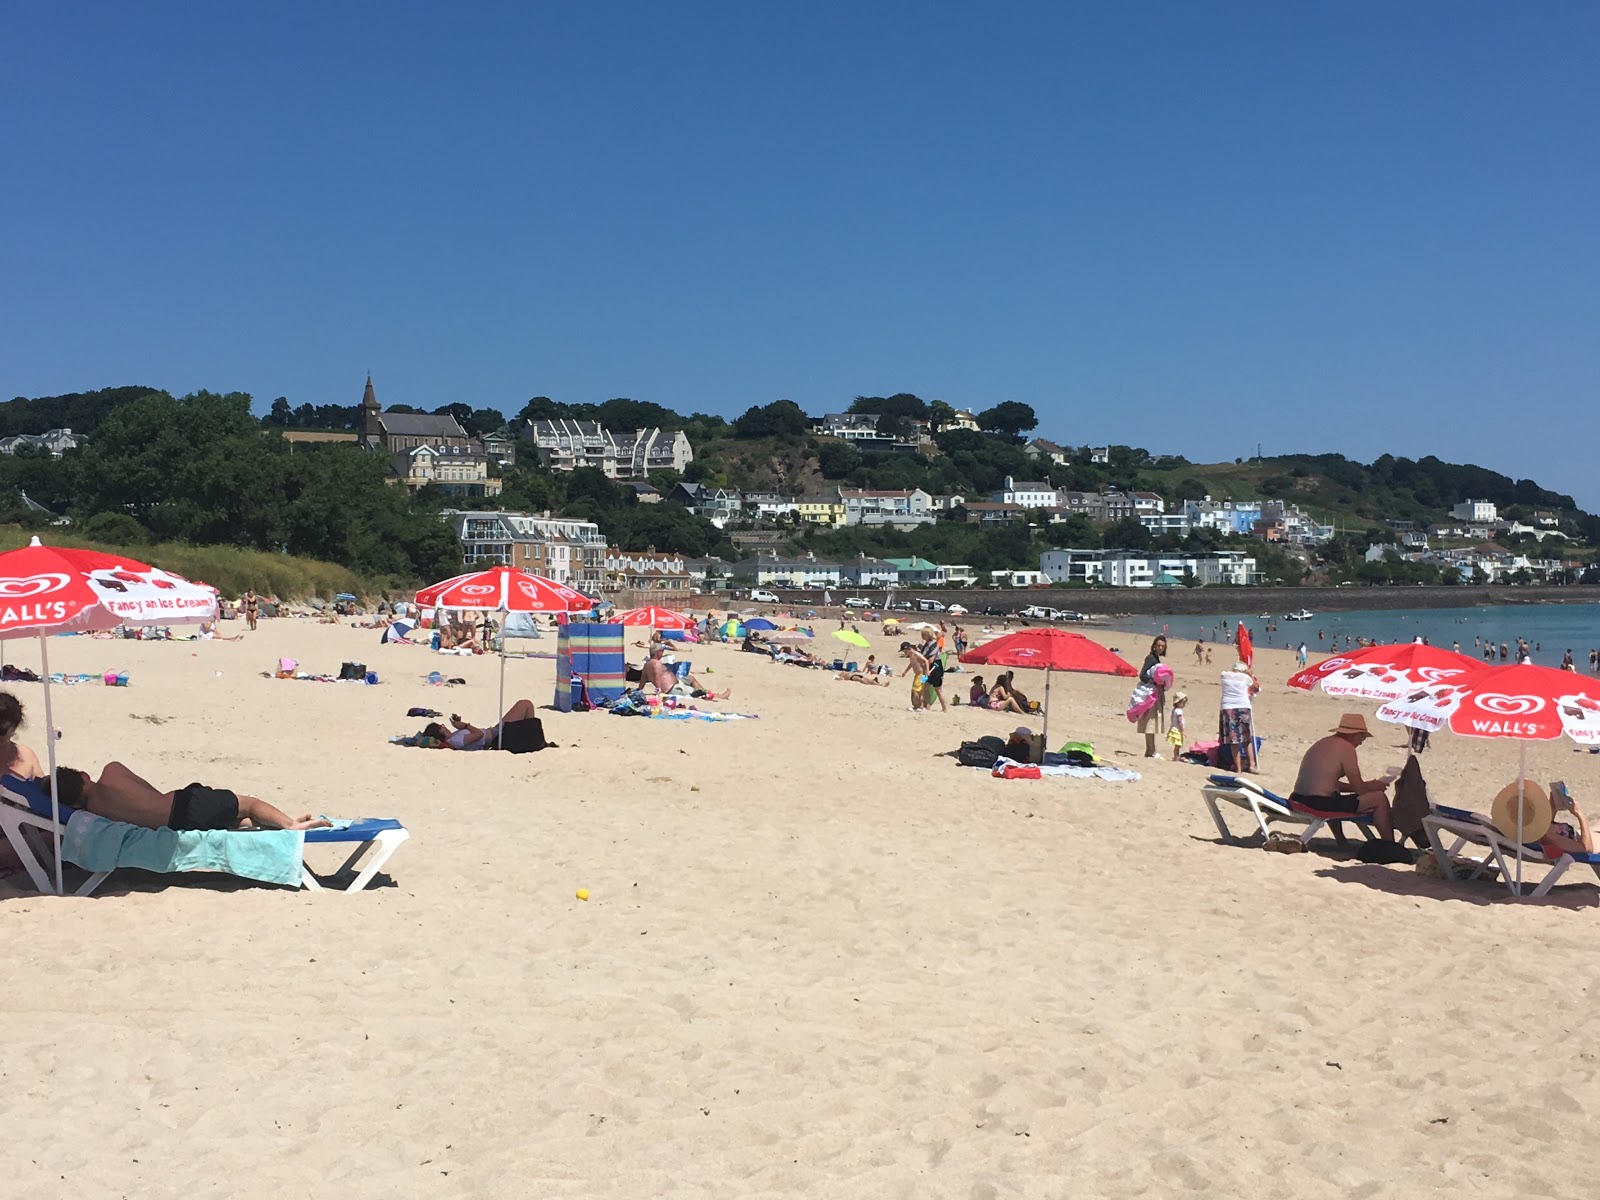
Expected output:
{"points": [[1175, 724]]}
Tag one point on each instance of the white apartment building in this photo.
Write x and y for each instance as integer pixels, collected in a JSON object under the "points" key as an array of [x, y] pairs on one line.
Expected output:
{"points": [[1028, 493], [562, 549], [1475, 510], [1137, 568], [863, 506], [565, 445]]}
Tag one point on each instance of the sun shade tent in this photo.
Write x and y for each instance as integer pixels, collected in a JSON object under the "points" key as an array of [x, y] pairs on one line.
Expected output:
{"points": [[1050, 650], [49, 589], [504, 590]]}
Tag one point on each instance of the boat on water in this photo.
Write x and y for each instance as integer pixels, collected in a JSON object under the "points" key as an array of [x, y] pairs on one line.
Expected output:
{"points": [[1305, 614]]}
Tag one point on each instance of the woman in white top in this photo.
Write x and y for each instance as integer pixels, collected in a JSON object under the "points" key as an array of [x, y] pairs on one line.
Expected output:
{"points": [[1236, 724]]}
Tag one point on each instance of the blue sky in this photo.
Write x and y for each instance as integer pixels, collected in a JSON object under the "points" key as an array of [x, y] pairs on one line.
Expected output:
{"points": [[1352, 227]]}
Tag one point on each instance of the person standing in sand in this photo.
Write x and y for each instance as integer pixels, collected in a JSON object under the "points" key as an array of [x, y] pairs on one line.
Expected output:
{"points": [[917, 668], [251, 606], [1236, 718], [1153, 720], [1330, 778]]}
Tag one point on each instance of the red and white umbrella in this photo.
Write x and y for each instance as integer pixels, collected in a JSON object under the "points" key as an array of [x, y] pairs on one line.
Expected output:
{"points": [[56, 589], [1049, 649], [1524, 702], [1385, 673], [655, 618], [504, 590]]}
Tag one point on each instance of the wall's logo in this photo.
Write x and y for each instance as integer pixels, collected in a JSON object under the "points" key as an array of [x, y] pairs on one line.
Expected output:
{"points": [[31, 585], [1508, 706]]}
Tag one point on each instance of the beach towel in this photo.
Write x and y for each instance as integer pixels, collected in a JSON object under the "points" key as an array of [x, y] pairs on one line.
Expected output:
{"points": [[267, 855], [1056, 764]]}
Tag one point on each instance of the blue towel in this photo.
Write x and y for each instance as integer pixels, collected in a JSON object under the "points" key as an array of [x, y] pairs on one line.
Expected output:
{"points": [[269, 855]]}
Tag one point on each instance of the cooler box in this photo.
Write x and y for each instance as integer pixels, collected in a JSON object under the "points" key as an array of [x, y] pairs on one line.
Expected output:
{"points": [[592, 652]]}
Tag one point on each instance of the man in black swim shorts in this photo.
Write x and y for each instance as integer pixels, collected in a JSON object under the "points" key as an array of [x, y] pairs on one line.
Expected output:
{"points": [[121, 795], [1330, 778]]}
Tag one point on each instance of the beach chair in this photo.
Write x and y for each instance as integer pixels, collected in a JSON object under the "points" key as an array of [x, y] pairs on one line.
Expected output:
{"points": [[1265, 807], [25, 818], [1461, 828]]}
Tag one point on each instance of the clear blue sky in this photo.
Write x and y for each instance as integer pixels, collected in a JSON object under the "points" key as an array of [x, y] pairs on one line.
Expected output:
{"points": [[1353, 227]]}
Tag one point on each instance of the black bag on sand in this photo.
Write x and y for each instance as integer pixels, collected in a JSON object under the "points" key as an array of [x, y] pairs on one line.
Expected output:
{"points": [[981, 753], [524, 736], [1384, 852], [352, 670]]}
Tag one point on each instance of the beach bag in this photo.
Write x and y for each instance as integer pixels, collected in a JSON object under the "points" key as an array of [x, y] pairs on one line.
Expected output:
{"points": [[1141, 702], [982, 753], [351, 670], [1384, 852], [1078, 754], [523, 737]]}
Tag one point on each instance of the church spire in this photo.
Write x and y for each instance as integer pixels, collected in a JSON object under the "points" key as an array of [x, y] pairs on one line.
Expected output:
{"points": [[369, 398], [371, 422]]}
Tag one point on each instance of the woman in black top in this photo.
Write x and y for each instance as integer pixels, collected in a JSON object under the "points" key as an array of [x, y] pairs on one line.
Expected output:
{"points": [[1150, 724]]}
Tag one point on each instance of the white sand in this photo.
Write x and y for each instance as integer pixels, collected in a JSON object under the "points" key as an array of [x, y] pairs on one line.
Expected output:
{"points": [[817, 959]]}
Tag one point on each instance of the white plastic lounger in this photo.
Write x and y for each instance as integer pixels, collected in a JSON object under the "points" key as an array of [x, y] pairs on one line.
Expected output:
{"points": [[25, 816], [381, 836], [25, 810], [1469, 828], [1265, 807]]}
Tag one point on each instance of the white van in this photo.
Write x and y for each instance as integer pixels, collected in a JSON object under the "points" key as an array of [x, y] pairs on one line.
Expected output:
{"points": [[762, 597]]}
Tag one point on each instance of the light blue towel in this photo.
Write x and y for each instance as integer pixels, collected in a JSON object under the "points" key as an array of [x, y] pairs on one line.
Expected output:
{"points": [[270, 855]]}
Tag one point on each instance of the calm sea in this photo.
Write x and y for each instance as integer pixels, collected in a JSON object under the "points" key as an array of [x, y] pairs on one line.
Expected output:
{"points": [[1551, 629]]}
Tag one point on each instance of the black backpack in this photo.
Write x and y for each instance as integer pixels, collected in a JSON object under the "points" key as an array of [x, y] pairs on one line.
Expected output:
{"points": [[352, 670]]}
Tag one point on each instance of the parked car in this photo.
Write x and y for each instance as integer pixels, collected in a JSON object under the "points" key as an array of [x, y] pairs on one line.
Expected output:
{"points": [[900, 606], [857, 602], [929, 606], [1037, 612], [763, 597]]}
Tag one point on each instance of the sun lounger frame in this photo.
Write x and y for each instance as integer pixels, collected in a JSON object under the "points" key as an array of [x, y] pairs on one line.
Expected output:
{"points": [[1466, 828], [19, 820], [1265, 808]]}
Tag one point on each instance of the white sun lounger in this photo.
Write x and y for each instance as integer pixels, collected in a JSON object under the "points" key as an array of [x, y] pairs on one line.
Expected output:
{"points": [[25, 819], [1265, 807], [1463, 828]]}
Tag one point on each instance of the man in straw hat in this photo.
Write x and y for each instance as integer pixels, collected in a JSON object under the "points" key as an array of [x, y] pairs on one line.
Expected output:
{"points": [[1330, 778]]}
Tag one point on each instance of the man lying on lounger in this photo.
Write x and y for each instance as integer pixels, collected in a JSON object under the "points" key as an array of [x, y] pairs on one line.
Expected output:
{"points": [[120, 795]]}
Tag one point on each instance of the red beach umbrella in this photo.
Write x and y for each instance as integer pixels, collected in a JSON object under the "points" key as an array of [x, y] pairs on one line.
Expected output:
{"points": [[1385, 672], [1050, 650], [56, 589], [1524, 702], [655, 618], [504, 590]]}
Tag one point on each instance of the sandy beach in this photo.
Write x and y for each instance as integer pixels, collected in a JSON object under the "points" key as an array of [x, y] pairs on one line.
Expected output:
{"points": [[817, 958]]}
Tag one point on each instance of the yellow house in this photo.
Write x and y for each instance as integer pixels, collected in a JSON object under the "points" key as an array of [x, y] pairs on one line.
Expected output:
{"points": [[820, 510]]}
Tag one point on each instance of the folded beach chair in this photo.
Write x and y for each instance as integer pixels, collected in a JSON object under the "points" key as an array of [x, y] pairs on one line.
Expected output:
{"points": [[25, 820], [1463, 828], [1265, 807]]}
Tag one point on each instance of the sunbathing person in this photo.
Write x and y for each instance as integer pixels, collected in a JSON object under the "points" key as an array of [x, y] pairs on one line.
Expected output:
{"points": [[868, 675], [1015, 693], [120, 795], [978, 693], [467, 736], [14, 759], [754, 643], [1002, 698], [667, 680], [1561, 838]]}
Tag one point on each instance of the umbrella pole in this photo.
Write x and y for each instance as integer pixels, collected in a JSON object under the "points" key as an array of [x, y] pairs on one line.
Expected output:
{"points": [[1522, 777], [500, 724], [50, 753], [1046, 734]]}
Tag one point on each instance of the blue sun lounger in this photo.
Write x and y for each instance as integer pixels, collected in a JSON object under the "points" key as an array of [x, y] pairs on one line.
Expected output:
{"points": [[1470, 828], [1265, 807], [26, 821]]}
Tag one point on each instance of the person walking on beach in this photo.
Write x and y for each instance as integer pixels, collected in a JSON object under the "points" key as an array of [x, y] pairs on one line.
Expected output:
{"points": [[917, 668], [1301, 653], [252, 608]]}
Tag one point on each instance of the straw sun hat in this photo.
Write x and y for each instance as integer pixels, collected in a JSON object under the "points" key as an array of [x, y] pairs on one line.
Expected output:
{"points": [[1537, 811]]}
